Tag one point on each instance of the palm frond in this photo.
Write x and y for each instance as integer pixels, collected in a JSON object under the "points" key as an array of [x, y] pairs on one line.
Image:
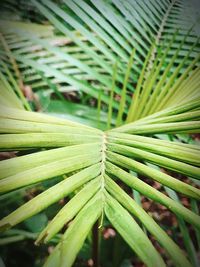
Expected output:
{"points": [[97, 158], [104, 54]]}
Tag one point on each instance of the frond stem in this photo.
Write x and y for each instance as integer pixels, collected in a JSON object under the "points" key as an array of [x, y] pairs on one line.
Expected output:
{"points": [[95, 244], [158, 36]]}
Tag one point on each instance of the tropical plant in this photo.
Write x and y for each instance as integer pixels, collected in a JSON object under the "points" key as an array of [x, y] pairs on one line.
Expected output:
{"points": [[109, 53]]}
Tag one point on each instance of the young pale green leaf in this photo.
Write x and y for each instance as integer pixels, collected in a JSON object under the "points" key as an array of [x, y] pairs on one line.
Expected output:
{"points": [[178, 153], [13, 113], [19, 164], [191, 148], [20, 126], [159, 176], [187, 116], [50, 196], [154, 194], [76, 234], [49, 170], [132, 233], [70, 210], [157, 159], [125, 200], [37, 140], [179, 127], [190, 105]]}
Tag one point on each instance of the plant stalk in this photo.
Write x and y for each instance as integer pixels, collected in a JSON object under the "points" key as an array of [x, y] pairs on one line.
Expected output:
{"points": [[95, 244]]}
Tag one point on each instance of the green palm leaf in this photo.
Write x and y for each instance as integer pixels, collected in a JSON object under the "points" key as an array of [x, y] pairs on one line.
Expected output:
{"points": [[94, 161], [110, 50]]}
